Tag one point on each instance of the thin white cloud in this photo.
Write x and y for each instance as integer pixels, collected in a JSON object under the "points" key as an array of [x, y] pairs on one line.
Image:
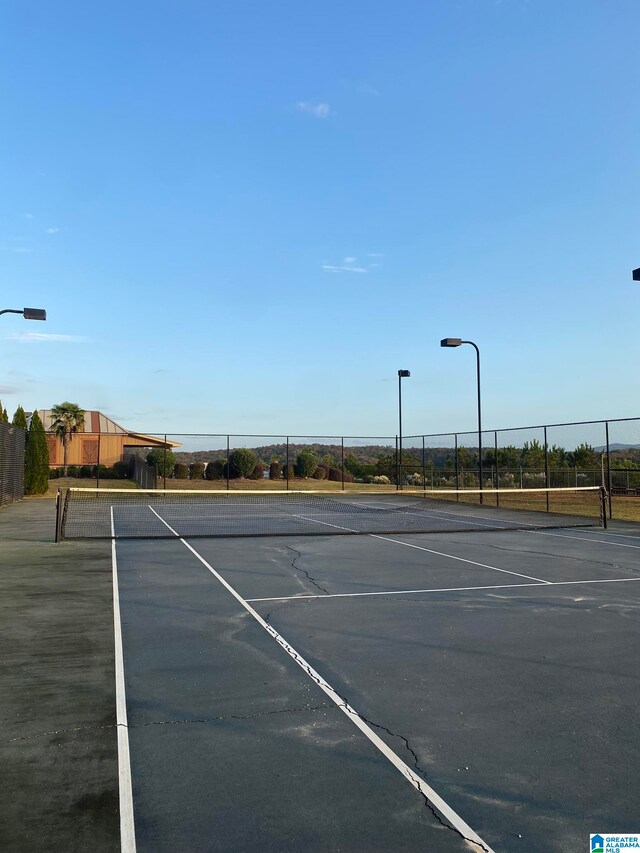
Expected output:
{"points": [[349, 260], [342, 268], [8, 389], [16, 250], [52, 230], [366, 89], [29, 216], [375, 255], [317, 110], [40, 337]]}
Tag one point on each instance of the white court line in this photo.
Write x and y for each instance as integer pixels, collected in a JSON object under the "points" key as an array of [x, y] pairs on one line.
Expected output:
{"points": [[583, 539], [418, 782], [440, 589], [127, 825], [460, 559], [430, 551]]}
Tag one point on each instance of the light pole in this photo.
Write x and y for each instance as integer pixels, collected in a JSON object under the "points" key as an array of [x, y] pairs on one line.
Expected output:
{"points": [[402, 374], [27, 313], [456, 342]]}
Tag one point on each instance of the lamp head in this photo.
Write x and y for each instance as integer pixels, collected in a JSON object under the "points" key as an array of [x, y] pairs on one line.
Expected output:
{"points": [[450, 342], [403, 373], [636, 274], [34, 314]]}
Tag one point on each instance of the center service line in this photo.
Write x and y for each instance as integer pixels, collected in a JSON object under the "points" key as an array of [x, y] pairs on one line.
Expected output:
{"points": [[127, 825], [418, 783]]}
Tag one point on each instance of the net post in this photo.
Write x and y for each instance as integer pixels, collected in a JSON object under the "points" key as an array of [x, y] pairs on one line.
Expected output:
{"points": [[58, 516], [603, 507], [228, 464], [286, 469], [342, 460]]}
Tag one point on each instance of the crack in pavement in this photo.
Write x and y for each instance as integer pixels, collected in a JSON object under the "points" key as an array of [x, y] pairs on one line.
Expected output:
{"points": [[300, 569], [346, 707], [296, 710]]}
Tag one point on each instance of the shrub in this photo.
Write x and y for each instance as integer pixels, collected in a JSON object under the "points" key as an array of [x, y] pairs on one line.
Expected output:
{"points": [[275, 470], [320, 473], [289, 471], [336, 475], [258, 471], [36, 459], [122, 470], [85, 470], [54, 473], [73, 471], [214, 470], [414, 479], [196, 470], [378, 479], [242, 461], [164, 460], [306, 463], [180, 471]]}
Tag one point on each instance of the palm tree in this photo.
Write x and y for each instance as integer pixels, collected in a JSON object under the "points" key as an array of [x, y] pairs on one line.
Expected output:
{"points": [[68, 418]]}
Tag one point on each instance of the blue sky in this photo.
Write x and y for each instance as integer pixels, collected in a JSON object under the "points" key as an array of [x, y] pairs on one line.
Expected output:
{"points": [[247, 216]]}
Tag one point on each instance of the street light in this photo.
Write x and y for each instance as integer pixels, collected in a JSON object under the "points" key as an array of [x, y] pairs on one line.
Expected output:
{"points": [[27, 313], [402, 374], [636, 274], [456, 342]]}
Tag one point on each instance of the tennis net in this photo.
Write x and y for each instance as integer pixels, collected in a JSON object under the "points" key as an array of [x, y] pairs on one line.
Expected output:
{"points": [[128, 513]]}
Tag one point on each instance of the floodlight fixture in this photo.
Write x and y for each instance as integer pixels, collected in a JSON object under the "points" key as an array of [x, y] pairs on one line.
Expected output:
{"points": [[27, 313], [636, 274], [456, 342], [402, 374]]}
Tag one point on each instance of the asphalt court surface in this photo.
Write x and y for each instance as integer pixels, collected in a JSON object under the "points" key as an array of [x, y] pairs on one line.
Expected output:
{"points": [[501, 668]]}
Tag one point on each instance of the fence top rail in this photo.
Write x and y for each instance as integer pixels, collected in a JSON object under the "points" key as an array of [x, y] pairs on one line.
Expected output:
{"points": [[390, 438]]}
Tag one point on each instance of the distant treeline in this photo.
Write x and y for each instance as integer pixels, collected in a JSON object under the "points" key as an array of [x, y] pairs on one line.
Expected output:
{"points": [[530, 455]]}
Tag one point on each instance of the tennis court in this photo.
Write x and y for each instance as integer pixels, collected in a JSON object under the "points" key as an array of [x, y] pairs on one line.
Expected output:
{"points": [[461, 691]]}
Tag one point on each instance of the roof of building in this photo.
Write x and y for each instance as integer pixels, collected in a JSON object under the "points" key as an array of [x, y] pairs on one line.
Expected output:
{"points": [[99, 424]]}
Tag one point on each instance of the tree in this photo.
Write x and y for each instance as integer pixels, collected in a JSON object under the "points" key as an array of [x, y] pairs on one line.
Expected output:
{"points": [[163, 460], [20, 419], [306, 463], [584, 456], [243, 461], [4, 417], [68, 419], [36, 459]]}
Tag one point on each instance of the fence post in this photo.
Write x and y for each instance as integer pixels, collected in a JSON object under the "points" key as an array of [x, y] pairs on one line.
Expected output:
{"points": [[546, 465], [98, 465], [424, 470], [164, 467], [228, 464], [495, 450], [287, 465], [397, 468], [606, 430], [342, 460], [457, 465]]}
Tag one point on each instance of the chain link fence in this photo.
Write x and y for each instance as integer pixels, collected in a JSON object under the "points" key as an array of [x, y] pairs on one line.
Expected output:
{"points": [[12, 442], [588, 453]]}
